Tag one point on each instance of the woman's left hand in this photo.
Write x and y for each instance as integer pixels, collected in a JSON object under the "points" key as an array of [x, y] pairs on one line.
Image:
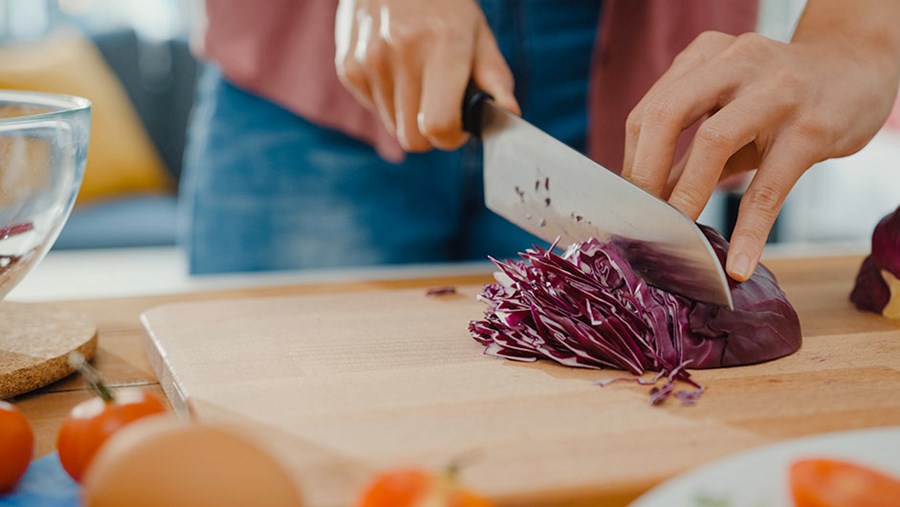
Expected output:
{"points": [[769, 105]]}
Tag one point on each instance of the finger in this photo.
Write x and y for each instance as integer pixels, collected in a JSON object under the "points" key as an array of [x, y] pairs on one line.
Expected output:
{"points": [[760, 205], [443, 87], [372, 54], [349, 71], [407, 96], [677, 170], [667, 114], [719, 138], [491, 72], [702, 49], [745, 160]]}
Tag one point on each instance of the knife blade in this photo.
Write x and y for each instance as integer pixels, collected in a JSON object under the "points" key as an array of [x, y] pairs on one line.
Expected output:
{"points": [[554, 192]]}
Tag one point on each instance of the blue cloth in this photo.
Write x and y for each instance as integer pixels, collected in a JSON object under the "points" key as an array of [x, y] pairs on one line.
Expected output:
{"points": [[263, 189], [45, 484]]}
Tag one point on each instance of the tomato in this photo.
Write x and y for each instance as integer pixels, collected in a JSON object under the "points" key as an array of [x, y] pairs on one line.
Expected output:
{"points": [[16, 446], [832, 483], [92, 422], [413, 488]]}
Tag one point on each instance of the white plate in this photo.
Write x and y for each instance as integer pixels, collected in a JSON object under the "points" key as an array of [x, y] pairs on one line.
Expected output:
{"points": [[759, 477]]}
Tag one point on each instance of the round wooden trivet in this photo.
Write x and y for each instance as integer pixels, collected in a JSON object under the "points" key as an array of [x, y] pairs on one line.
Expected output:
{"points": [[35, 340]]}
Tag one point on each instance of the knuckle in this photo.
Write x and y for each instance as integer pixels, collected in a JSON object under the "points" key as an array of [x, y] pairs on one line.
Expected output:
{"points": [[713, 137], [702, 48], [633, 123], [757, 231], [763, 201], [413, 142], [406, 36], [689, 197], [376, 54], [812, 130], [659, 111], [753, 45], [685, 58], [350, 72], [414, 36], [786, 80], [711, 37], [440, 127], [642, 180], [441, 30]]}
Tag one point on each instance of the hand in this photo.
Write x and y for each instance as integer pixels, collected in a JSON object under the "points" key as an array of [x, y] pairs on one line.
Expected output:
{"points": [[410, 61], [769, 105]]}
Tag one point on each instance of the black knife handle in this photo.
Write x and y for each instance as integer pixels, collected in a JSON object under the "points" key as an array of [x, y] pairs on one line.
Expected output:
{"points": [[473, 108]]}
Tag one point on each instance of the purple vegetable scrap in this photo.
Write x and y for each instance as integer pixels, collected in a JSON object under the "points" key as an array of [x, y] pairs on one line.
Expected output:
{"points": [[440, 291]]}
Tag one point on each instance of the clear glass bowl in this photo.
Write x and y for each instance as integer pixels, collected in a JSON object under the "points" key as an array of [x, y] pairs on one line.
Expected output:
{"points": [[43, 147]]}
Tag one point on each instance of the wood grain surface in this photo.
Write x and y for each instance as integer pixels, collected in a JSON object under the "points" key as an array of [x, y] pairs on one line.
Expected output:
{"points": [[340, 385], [120, 356]]}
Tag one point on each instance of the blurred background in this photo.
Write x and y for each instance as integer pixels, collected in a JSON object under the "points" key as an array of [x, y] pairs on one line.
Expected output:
{"points": [[133, 59]]}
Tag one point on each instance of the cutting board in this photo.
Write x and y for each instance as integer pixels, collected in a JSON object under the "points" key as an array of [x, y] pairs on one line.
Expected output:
{"points": [[342, 385], [35, 341]]}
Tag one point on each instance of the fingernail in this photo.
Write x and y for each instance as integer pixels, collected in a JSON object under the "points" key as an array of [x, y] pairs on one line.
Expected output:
{"points": [[740, 267]]}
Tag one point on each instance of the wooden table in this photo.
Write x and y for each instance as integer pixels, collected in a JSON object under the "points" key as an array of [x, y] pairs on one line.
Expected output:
{"points": [[122, 361]]}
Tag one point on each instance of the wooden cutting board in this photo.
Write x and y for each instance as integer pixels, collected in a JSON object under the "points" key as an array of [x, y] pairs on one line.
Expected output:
{"points": [[342, 385]]}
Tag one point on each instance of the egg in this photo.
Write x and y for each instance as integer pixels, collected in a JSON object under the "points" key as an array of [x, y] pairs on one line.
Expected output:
{"points": [[160, 461]]}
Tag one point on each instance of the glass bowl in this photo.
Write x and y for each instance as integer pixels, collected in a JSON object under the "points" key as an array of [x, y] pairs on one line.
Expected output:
{"points": [[43, 147]]}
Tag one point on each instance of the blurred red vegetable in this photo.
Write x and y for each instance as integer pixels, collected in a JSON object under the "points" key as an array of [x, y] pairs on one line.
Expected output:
{"points": [[877, 286], [16, 446], [833, 483], [418, 488], [91, 423]]}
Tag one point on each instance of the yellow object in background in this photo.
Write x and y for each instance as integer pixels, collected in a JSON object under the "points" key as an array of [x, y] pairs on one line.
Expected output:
{"points": [[121, 157], [25, 164]]}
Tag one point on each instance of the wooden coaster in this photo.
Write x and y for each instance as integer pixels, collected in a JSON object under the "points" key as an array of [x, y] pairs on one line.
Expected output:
{"points": [[35, 340]]}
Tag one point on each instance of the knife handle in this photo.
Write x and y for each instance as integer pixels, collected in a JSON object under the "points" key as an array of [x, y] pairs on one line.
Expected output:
{"points": [[473, 107]]}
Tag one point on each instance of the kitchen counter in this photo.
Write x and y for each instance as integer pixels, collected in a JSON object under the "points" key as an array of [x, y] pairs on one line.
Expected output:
{"points": [[121, 358]]}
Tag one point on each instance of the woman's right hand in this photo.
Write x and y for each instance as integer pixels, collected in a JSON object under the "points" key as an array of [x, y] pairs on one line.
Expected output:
{"points": [[410, 62]]}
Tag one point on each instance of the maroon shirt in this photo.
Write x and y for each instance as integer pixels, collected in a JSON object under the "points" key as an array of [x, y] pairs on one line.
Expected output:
{"points": [[285, 52]]}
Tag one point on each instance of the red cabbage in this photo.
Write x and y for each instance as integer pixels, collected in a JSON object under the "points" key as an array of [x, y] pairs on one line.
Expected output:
{"points": [[587, 308], [877, 287]]}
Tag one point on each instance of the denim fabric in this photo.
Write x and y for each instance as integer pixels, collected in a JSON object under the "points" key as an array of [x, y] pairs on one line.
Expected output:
{"points": [[263, 189]]}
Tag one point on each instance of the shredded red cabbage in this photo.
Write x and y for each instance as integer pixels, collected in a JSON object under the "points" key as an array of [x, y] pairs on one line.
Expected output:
{"points": [[587, 308], [879, 276]]}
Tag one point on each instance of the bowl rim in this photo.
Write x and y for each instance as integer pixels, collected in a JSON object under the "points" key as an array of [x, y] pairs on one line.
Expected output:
{"points": [[60, 103]]}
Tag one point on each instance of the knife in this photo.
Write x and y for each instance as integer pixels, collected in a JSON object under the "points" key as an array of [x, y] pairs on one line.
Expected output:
{"points": [[554, 192]]}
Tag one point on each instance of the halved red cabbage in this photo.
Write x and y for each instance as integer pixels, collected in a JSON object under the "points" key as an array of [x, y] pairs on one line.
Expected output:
{"points": [[877, 287], [588, 308]]}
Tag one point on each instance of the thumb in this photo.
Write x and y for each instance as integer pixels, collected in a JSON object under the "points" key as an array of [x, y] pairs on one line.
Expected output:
{"points": [[491, 73]]}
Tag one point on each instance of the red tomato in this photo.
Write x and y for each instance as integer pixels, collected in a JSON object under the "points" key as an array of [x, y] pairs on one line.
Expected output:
{"points": [[832, 483], [410, 488], [16, 446], [92, 422]]}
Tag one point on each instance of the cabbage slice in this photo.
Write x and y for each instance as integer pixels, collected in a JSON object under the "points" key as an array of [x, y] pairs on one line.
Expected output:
{"points": [[588, 308]]}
